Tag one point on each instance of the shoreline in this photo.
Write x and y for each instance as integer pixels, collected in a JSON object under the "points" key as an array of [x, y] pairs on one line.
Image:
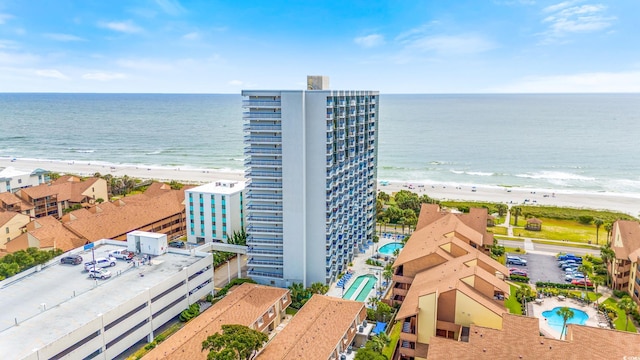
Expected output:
{"points": [[626, 203]]}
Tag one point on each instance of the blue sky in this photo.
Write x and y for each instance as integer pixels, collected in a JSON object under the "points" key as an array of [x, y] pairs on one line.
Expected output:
{"points": [[208, 46]]}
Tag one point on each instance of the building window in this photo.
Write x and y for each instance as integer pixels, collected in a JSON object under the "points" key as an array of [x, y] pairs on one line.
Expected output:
{"points": [[7, 229], [19, 181]]}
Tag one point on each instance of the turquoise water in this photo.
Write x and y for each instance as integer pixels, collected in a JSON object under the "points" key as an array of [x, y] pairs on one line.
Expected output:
{"points": [[560, 136], [371, 282], [389, 248], [555, 321]]}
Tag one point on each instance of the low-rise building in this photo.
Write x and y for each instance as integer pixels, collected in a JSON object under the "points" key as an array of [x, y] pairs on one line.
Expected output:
{"points": [[444, 280], [259, 307], [45, 233], [159, 209], [10, 202], [624, 269], [214, 211], [323, 329], [520, 338], [11, 226], [67, 191], [12, 179], [56, 311]]}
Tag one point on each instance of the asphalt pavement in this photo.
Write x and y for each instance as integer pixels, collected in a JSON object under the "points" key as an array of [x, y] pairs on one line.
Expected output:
{"points": [[540, 268]]}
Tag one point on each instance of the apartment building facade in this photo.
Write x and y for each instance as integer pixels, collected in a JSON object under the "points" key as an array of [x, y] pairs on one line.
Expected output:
{"points": [[214, 211], [12, 179], [624, 269], [311, 159]]}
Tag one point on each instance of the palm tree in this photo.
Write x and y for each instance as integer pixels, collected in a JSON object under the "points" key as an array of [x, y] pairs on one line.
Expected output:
{"points": [[373, 301], [627, 305], [608, 227], [516, 211], [318, 288], [607, 255], [387, 275], [565, 313], [597, 223], [586, 270]]}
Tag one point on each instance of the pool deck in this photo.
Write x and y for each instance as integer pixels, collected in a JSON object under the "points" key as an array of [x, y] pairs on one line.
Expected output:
{"points": [[361, 268], [549, 303]]}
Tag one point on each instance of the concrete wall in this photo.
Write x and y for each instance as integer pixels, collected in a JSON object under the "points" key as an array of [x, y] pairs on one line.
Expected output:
{"points": [[428, 308], [12, 228], [469, 311]]}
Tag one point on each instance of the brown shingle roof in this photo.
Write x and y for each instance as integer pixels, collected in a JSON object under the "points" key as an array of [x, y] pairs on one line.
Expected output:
{"points": [[315, 331], [49, 231], [629, 233], [520, 339], [62, 191], [447, 277], [5, 216], [427, 240], [133, 212], [243, 305], [9, 198]]}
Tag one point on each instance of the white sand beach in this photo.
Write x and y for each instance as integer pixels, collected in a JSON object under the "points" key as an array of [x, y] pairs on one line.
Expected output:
{"points": [[627, 203]]}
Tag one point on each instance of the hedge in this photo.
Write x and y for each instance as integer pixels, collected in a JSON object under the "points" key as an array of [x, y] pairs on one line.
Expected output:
{"points": [[519, 278], [561, 286]]}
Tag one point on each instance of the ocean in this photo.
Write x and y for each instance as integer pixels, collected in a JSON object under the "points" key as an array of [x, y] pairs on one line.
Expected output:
{"points": [[570, 142]]}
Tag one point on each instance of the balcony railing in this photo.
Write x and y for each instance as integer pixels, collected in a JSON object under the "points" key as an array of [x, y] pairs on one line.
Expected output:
{"points": [[261, 115]]}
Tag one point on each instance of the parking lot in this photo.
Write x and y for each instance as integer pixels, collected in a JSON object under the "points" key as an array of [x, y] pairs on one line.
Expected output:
{"points": [[540, 268]]}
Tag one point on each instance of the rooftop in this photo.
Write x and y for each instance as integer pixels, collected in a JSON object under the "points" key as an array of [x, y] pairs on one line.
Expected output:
{"points": [[315, 331], [220, 187], [10, 172], [520, 339], [243, 305], [71, 298], [625, 239]]}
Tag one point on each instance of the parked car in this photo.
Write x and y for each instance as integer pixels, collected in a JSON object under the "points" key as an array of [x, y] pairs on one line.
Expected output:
{"points": [[100, 263], [568, 266], [581, 282], [566, 262], [122, 254], [99, 273], [71, 259], [565, 257], [177, 244], [515, 260], [516, 271], [568, 277]]}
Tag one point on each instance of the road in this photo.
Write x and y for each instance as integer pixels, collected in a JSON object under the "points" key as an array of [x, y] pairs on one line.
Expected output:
{"points": [[545, 248]]}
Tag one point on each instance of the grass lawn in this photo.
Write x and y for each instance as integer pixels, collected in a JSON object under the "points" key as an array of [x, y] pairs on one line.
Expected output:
{"points": [[395, 336], [622, 317], [498, 230], [570, 230], [512, 303], [290, 311], [498, 237]]}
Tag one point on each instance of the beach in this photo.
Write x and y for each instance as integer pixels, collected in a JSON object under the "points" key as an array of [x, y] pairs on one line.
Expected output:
{"points": [[626, 203]]}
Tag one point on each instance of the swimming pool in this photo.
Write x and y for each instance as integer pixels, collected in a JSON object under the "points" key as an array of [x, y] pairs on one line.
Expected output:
{"points": [[389, 248], [363, 291], [555, 321]]}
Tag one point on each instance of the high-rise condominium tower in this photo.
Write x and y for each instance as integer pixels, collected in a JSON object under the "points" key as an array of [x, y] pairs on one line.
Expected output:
{"points": [[311, 159]]}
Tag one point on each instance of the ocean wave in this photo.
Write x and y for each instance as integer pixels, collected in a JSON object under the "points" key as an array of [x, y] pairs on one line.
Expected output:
{"points": [[154, 152], [472, 173], [555, 176], [82, 151]]}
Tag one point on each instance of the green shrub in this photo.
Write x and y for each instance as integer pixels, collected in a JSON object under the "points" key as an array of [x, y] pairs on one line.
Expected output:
{"points": [[192, 311], [233, 283], [518, 278], [620, 294]]}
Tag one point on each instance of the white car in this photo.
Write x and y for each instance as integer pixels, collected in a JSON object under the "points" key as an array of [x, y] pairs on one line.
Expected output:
{"points": [[101, 262], [121, 254], [99, 273]]}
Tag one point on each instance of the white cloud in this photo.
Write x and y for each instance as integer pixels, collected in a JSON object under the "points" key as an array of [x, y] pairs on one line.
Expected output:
{"points": [[171, 7], [235, 83], [451, 44], [598, 82], [18, 58], [51, 73], [566, 18], [103, 76], [121, 26], [63, 37], [143, 64], [370, 41], [191, 36], [4, 18]]}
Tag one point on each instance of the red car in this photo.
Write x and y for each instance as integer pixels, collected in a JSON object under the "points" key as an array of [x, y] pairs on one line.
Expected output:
{"points": [[516, 271], [581, 282]]}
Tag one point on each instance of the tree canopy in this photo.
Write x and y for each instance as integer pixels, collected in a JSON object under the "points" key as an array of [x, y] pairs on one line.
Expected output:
{"points": [[237, 342]]}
